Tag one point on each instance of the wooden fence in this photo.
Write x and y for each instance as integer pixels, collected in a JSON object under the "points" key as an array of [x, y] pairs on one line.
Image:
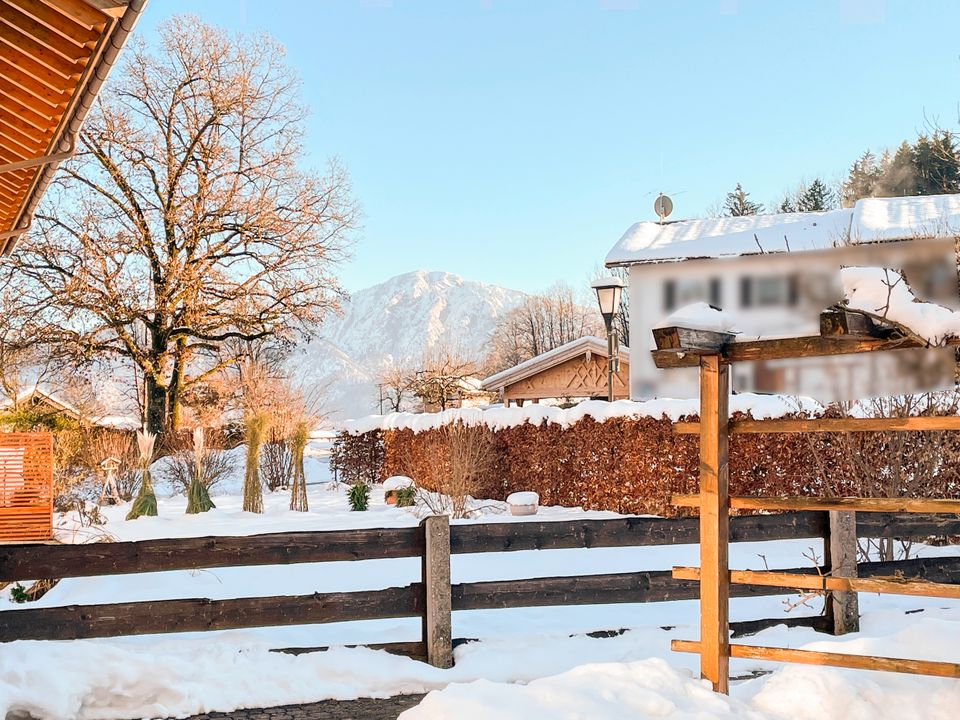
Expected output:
{"points": [[433, 598]]}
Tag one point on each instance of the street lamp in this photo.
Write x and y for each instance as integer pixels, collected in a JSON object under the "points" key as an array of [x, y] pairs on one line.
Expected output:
{"points": [[609, 289]]}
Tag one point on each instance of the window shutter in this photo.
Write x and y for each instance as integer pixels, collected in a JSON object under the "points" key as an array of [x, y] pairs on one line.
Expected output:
{"points": [[715, 298], [669, 295], [746, 292], [793, 290]]}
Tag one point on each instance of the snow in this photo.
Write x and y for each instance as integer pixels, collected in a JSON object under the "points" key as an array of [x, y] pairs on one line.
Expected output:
{"points": [[523, 498], [869, 220], [759, 406], [535, 661], [397, 323], [396, 482], [730, 236], [885, 292], [899, 218], [700, 316]]}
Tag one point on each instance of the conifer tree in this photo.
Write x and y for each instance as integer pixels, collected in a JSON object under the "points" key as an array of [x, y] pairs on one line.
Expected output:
{"points": [[738, 203], [816, 197], [862, 180]]}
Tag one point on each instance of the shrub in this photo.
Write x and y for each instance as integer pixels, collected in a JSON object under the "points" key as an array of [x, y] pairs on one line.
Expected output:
{"points": [[359, 497], [298, 488], [405, 496], [252, 492], [215, 466], [146, 500], [276, 461], [358, 458]]}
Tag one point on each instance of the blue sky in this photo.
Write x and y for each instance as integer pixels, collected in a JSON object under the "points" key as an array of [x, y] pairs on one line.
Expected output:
{"points": [[513, 142]]}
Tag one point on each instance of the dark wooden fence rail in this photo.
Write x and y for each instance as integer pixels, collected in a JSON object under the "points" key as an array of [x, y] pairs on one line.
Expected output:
{"points": [[36, 561]]}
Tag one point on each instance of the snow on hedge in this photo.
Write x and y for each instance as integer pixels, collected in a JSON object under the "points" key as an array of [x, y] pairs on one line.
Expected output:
{"points": [[760, 407], [885, 292]]}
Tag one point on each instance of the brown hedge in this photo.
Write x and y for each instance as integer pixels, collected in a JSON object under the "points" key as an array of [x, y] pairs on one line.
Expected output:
{"points": [[634, 465]]}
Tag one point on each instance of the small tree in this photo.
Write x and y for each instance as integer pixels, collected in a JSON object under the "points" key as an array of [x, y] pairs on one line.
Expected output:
{"points": [[252, 491], [298, 488], [738, 203]]}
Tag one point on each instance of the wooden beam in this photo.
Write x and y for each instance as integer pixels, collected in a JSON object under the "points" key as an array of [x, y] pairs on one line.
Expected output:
{"points": [[813, 657], [791, 348], [41, 560], [844, 323], [925, 423], [885, 505], [437, 613], [80, 33], [39, 53], [842, 607], [65, 47], [714, 522], [692, 340], [798, 581], [74, 622], [625, 532]]}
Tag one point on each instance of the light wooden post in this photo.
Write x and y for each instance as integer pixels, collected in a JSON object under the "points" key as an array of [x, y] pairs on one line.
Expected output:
{"points": [[714, 522], [437, 620], [840, 550]]}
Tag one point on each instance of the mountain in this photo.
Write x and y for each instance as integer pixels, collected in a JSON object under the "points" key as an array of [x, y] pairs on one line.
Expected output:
{"points": [[397, 322]]}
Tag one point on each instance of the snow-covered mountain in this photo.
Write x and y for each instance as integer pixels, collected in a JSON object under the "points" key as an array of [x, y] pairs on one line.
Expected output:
{"points": [[397, 322]]}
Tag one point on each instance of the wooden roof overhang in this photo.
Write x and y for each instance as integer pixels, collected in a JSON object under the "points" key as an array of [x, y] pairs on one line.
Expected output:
{"points": [[54, 57]]}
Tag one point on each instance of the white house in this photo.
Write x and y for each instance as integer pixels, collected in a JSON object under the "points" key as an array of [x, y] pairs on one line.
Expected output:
{"points": [[775, 273]]}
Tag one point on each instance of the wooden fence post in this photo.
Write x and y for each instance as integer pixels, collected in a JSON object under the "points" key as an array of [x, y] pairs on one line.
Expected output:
{"points": [[714, 522], [840, 551], [437, 620]]}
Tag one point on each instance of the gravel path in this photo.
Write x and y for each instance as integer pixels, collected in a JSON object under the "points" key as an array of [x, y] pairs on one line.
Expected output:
{"points": [[362, 709]]}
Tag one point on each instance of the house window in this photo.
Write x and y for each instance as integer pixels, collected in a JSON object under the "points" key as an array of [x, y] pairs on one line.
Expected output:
{"points": [[768, 291], [677, 293]]}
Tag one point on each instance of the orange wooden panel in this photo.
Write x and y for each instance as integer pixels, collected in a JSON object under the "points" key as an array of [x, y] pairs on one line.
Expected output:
{"points": [[26, 487]]}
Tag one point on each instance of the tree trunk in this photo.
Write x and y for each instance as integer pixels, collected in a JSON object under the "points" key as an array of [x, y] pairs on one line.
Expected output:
{"points": [[156, 410], [176, 385]]}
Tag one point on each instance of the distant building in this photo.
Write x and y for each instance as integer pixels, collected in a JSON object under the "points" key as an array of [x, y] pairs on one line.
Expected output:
{"points": [[775, 273], [576, 370]]}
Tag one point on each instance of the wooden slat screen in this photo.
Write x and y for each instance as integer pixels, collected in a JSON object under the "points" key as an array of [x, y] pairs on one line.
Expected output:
{"points": [[26, 487]]}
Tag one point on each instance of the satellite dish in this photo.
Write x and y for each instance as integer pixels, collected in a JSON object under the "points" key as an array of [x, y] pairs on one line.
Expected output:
{"points": [[662, 206]]}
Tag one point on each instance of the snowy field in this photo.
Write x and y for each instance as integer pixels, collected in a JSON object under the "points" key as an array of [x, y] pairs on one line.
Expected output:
{"points": [[528, 663]]}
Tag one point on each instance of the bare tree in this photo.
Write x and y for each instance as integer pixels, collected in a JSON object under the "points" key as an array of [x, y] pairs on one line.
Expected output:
{"points": [[185, 219], [541, 323], [442, 379], [396, 385]]}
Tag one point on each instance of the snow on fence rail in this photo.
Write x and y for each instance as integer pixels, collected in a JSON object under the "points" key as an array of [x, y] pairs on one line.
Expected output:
{"points": [[434, 601]]}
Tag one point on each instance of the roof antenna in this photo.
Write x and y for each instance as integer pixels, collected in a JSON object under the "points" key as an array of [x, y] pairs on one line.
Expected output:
{"points": [[662, 206]]}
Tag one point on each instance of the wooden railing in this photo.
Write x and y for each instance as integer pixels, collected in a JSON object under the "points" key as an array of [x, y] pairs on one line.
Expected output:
{"points": [[433, 598]]}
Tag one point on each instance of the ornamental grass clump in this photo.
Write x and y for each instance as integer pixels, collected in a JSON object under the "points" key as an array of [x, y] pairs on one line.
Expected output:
{"points": [[198, 495], [252, 491], [146, 501], [298, 488], [359, 497]]}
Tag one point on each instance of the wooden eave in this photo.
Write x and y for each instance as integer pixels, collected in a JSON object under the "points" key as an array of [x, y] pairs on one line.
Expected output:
{"points": [[53, 53]]}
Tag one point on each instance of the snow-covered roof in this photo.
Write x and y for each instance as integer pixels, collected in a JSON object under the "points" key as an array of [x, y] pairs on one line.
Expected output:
{"points": [[575, 348], [869, 220]]}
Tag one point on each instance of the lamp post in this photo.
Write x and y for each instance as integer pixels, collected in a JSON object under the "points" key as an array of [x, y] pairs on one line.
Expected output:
{"points": [[609, 289]]}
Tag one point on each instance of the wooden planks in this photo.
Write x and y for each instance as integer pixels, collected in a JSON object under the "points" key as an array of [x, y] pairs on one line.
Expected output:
{"points": [[20, 562], [813, 657], [714, 521], [795, 503], [840, 554], [140, 618], [790, 348], [797, 581], [625, 532], [831, 425]]}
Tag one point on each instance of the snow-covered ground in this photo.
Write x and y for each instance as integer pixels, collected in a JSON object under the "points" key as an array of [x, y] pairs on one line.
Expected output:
{"points": [[528, 662]]}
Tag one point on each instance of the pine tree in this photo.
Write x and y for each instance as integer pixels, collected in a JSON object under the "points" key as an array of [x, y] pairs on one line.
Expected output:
{"points": [[862, 179], [899, 178], [816, 197], [787, 205], [738, 203]]}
